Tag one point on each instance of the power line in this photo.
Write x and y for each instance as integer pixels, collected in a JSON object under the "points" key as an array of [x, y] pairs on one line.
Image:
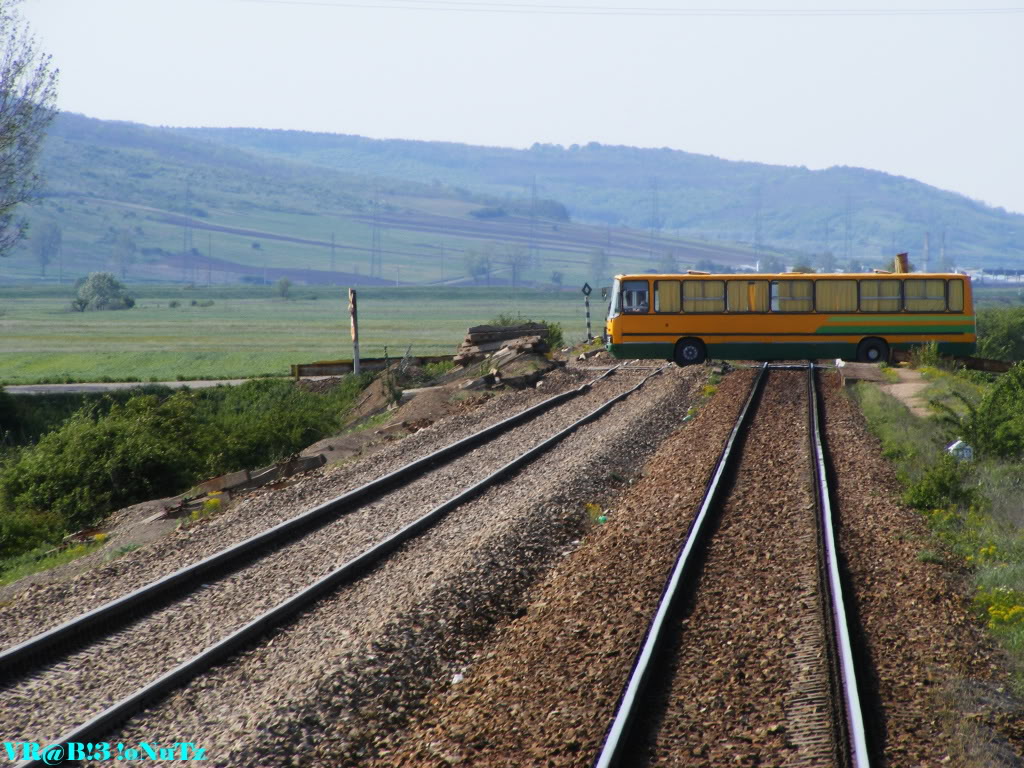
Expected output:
{"points": [[468, 6]]}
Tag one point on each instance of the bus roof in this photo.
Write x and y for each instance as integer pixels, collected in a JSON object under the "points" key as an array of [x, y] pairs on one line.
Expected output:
{"points": [[790, 275]]}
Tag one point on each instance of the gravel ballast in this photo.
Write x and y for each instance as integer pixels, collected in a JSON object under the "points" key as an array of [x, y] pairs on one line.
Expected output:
{"points": [[347, 673], [542, 691], [161, 641], [42, 607]]}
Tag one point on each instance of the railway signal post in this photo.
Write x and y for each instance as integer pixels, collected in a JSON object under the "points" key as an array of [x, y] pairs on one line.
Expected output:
{"points": [[586, 303]]}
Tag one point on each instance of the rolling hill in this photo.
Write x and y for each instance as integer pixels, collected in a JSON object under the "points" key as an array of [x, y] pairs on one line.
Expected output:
{"points": [[228, 205]]}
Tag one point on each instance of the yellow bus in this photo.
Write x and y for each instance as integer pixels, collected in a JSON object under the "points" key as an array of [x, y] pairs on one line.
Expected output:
{"points": [[794, 316]]}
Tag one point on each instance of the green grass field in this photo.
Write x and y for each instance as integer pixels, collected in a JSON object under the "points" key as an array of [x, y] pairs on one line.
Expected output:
{"points": [[249, 333]]}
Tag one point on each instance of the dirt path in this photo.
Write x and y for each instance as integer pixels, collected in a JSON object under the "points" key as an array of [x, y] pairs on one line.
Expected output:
{"points": [[908, 390]]}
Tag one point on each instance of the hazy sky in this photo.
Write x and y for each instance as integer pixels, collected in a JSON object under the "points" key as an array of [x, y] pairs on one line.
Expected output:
{"points": [[926, 93]]}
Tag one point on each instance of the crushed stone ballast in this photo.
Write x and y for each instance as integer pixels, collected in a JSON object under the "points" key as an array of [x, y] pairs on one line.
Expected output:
{"points": [[226, 647], [831, 711]]}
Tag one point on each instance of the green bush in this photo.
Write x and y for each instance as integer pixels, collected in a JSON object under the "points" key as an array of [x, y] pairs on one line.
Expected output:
{"points": [[24, 531], [555, 336], [996, 424], [90, 466], [1001, 333], [940, 486], [263, 420], [101, 290], [104, 458]]}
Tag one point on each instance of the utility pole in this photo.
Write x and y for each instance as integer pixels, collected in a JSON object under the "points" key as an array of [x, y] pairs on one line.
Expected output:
{"points": [[354, 325], [332, 255], [655, 213], [186, 245], [209, 258], [376, 266], [757, 224], [927, 255], [848, 234], [534, 253]]}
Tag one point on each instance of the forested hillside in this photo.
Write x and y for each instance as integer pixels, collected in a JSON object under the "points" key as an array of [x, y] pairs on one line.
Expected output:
{"points": [[852, 212], [153, 204], [203, 205]]}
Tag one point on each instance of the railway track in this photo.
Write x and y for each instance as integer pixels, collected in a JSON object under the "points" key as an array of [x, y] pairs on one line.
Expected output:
{"points": [[90, 659], [748, 656]]}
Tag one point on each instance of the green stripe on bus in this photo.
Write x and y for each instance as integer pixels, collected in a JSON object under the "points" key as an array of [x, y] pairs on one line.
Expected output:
{"points": [[642, 349], [892, 330], [908, 317], [792, 350]]}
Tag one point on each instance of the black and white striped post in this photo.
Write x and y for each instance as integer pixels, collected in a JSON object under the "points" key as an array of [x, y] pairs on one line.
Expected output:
{"points": [[586, 302]]}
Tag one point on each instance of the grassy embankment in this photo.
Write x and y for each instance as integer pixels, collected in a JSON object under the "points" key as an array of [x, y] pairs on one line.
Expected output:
{"points": [[67, 461], [973, 507], [59, 475], [247, 331]]}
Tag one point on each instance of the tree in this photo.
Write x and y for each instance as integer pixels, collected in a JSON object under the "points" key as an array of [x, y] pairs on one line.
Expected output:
{"points": [[477, 266], [557, 278], [598, 264], [124, 251], [101, 290], [28, 90], [284, 285], [45, 243], [518, 259]]}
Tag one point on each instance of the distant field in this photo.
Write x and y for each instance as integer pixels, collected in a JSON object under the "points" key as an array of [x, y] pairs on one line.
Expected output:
{"points": [[238, 336]]}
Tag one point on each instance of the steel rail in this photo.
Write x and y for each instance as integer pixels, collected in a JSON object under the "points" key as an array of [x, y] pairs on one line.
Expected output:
{"points": [[36, 651], [658, 632], [856, 733], [241, 638]]}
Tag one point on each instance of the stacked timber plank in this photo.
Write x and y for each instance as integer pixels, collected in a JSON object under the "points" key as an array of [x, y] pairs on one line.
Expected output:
{"points": [[501, 341]]}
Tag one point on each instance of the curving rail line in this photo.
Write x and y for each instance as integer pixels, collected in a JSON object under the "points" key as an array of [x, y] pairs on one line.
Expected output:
{"points": [[651, 657], [43, 648]]}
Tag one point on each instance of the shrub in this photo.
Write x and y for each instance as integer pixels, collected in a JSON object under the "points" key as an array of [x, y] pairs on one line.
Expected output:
{"points": [[555, 337], [941, 485], [101, 290], [996, 424], [24, 531], [90, 466], [152, 446], [1001, 333], [925, 355]]}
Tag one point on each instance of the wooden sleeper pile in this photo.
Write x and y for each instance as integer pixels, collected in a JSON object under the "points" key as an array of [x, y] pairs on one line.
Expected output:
{"points": [[503, 342]]}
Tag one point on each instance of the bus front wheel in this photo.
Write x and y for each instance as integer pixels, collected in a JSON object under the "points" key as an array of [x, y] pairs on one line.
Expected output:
{"points": [[689, 352], [872, 351]]}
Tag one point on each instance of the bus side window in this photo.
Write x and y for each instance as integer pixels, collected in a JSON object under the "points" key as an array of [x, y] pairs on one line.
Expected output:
{"points": [[924, 295], [792, 295], [880, 295], [635, 297], [956, 295], [666, 296]]}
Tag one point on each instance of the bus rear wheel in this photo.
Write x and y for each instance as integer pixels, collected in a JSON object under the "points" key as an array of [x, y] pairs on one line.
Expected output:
{"points": [[872, 351], [689, 352]]}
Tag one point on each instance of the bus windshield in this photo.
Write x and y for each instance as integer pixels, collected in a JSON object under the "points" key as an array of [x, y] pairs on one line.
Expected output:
{"points": [[613, 308]]}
